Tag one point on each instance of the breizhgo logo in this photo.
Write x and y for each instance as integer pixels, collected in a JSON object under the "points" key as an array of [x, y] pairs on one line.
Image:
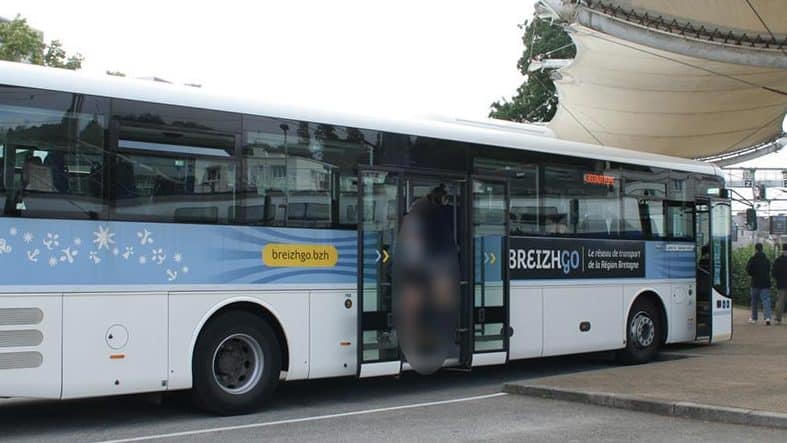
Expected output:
{"points": [[552, 258], [547, 259], [299, 255]]}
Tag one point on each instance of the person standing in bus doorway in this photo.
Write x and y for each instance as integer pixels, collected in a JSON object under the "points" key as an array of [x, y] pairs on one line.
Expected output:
{"points": [[780, 275], [759, 269]]}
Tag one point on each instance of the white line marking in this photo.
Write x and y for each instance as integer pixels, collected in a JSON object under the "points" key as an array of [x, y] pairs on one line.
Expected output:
{"points": [[300, 420]]}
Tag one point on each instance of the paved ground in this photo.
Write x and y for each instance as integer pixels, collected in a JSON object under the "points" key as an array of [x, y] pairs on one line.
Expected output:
{"points": [[361, 412], [748, 372], [383, 409]]}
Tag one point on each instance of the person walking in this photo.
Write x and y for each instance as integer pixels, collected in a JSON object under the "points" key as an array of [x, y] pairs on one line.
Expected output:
{"points": [[759, 269], [779, 273]]}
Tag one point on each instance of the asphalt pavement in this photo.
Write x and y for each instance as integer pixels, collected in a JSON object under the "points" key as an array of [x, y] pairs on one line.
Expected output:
{"points": [[449, 406]]}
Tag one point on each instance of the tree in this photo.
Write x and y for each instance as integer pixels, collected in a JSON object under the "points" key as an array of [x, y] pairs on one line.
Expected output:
{"points": [[21, 43], [536, 99]]}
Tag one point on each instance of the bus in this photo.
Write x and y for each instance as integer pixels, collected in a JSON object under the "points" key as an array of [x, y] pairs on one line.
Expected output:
{"points": [[159, 238]]}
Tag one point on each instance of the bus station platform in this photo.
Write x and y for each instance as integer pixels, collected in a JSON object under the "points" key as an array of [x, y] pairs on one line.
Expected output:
{"points": [[742, 381]]}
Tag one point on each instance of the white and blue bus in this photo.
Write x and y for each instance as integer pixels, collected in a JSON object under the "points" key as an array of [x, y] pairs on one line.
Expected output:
{"points": [[157, 238]]}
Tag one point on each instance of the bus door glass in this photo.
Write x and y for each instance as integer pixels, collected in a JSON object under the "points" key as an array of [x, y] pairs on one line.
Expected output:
{"points": [[490, 282], [378, 350], [721, 303], [704, 265]]}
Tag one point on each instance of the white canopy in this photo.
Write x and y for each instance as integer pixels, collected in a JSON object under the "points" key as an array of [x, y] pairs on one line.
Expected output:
{"points": [[636, 82]]}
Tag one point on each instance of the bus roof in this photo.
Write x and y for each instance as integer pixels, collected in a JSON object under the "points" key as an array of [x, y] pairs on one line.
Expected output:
{"points": [[495, 133]]}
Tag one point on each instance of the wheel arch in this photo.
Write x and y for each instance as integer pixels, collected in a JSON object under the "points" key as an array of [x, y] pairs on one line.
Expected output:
{"points": [[655, 298], [253, 306]]}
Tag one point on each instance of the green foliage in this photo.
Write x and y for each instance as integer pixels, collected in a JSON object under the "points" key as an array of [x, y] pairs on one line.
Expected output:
{"points": [[536, 100], [21, 43], [740, 281]]}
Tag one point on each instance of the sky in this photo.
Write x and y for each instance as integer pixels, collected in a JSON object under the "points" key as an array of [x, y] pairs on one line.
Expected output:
{"points": [[435, 57]]}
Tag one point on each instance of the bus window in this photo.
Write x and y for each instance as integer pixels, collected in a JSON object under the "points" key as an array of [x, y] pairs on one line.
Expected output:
{"points": [[311, 169], [52, 154], [643, 204], [169, 175], [581, 200]]}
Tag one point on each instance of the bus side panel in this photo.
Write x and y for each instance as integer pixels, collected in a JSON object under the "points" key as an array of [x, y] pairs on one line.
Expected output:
{"points": [[722, 317], [190, 310], [526, 313], [114, 343], [682, 326], [30, 354], [570, 309], [333, 333]]}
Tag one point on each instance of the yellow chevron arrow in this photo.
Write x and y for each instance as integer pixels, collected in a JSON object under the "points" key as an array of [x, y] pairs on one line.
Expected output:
{"points": [[386, 256], [492, 258]]}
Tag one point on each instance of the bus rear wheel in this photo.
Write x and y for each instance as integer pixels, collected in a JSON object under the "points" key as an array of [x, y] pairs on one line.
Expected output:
{"points": [[643, 333], [236, 364]]}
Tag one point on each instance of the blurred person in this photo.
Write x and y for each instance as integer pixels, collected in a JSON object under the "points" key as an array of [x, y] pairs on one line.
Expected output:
{"points": [[426, 283], [759, 269], [779, 273]]}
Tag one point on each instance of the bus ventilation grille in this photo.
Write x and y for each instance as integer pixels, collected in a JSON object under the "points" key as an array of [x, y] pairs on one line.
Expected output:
{"points": [[20, 338]]}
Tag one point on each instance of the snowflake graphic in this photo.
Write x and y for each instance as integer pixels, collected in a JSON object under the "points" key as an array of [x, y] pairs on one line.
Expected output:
{"points": [[104, 237], [33, 255], [178, 257], [68, 255], [51, 241], [78, 241], [145, 237], [13, 231], [157, 255], [5, 248], [128, 252], [52, 261], [115, 251], [27, 237], [94, 257], [143, 260], [185, 269]]}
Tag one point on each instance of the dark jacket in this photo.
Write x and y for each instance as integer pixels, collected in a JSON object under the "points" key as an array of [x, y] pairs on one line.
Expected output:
{"points": [[780, 271], [759, 268]]}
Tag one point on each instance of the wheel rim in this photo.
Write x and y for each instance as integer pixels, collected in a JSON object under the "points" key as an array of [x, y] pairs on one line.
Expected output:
{"points": [[237, 364], [643, 330]]}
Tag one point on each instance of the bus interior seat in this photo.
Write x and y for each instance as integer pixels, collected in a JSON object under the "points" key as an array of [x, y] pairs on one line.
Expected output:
{"points": [[125, 182], [36, 176], [56, 162]]}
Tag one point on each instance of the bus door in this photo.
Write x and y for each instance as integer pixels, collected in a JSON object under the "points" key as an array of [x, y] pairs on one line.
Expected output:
{"points": [[703, 257], [490, 318], [712, 229], [403, 325], [379, 206]]}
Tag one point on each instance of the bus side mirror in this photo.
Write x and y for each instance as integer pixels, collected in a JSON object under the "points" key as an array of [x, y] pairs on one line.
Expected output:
{"points": [[751, 219]]}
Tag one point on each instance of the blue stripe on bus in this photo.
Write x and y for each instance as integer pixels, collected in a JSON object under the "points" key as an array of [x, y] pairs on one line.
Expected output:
{"points": [[62, 252]]}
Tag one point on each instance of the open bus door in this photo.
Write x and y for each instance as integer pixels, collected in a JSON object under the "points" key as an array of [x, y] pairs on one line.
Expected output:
{"points": [[712, 228], [476, 211]]}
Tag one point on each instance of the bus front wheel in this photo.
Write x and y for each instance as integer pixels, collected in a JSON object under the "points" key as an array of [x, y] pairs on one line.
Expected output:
{"points": [[643, 333], [236, 364]]}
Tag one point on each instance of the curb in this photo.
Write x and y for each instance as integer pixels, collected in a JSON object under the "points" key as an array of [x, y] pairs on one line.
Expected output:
{"points": [[696, 411]]}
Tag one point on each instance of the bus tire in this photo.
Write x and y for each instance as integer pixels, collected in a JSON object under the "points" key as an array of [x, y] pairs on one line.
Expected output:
{"points": [[236, 364], [643, 333]]}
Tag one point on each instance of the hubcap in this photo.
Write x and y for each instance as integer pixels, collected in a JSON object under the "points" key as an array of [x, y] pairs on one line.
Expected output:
{"points": [[643, 331], [237, 364]]}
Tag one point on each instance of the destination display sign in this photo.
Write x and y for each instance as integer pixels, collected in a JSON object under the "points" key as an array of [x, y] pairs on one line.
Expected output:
{"points": [[564, 258]]}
